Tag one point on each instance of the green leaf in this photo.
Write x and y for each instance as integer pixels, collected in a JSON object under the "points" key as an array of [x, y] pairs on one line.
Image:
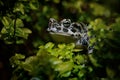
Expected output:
{"points": [[70, 46], [19, 56], [6, 21], [31, 65], [81, 73], [110, 72], [55, 61], [79, 59], [94, 61], [16, 60], [56, 1], [66, 74], [3, 31], [19, 23], [73, 78], [64, 67], [61, 46], [49, 45], [77, 50], [33, 6], [26, 30], [19, 8]]}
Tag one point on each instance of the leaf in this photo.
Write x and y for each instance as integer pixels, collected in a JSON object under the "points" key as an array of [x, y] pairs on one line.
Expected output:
{"points": [[26, 30], [61, 46], [81, 73], [73, 78], [70, 46], [66, 74], [79, 59], [23, 32], [110, 72], [31, 65], [3, 31], [49, 45], [6, 21], [16, 60], [19, 23], [94, 61], [33, 6], [19, 8], [64, 67], [19, 56], [56, 1], [55, 61], [77, 50]]}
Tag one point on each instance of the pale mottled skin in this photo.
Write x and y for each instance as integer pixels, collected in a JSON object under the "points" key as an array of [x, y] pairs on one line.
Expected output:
{"points": [[65, 30]]}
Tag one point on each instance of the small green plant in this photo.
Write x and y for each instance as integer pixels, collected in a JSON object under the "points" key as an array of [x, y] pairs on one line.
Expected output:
{"points": [[14, 30], [56, 62]]}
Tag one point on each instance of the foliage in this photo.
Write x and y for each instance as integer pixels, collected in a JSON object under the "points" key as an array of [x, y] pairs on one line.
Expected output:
{"points": [[23, 29], [59, 62], [10, 32], [107, 46]]}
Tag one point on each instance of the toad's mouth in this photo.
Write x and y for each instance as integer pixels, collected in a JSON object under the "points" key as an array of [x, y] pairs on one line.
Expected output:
{"points": [[60, 33]]}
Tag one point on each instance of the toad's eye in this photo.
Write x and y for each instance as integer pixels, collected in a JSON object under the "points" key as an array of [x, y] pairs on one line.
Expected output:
{"points": [[66, 22]]}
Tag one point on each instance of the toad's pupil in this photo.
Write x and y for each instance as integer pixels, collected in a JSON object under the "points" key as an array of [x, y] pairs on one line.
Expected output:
{"points": [[67, 24]]}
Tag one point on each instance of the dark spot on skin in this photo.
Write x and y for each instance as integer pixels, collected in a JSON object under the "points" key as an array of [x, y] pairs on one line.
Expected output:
{"points": [[83, 26], [79, 35], [73, 30], [84, 42], [87, 38], [72, 34], [58, 28], [51, 31], [65, 30], [76, 35], [77, 26]]}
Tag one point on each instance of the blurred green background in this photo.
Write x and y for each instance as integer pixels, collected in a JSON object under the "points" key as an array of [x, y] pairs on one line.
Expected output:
{"points": [[23, 25]]}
